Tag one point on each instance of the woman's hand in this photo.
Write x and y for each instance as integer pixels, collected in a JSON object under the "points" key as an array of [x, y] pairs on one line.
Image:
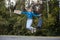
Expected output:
{"points": [[40, 14], [17, 11]]}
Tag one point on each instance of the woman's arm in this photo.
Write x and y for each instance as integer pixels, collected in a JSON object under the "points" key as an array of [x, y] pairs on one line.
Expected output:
{"points": [[36, 14], [17, 11]]}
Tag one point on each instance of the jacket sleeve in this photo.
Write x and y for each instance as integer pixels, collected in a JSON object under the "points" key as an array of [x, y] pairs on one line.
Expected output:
{"points": [[23, 12], [37, 15]]}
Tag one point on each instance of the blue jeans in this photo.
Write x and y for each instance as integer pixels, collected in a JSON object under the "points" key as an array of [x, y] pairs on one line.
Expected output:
{"points": [[40, 21], [29, 23]]}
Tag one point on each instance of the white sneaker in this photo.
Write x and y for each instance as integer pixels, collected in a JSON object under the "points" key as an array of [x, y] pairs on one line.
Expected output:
{"points": [[33, 30]]}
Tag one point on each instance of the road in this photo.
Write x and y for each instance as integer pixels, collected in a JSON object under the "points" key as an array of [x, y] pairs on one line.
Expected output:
{"points": [[28, 38]]}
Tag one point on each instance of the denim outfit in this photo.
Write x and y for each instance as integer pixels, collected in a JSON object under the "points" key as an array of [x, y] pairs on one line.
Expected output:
{"points": [[29, 18]]}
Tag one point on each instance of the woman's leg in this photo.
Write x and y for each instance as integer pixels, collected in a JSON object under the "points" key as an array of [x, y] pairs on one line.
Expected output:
{"points": [[29, 23], [29, 27], [40, 21]]}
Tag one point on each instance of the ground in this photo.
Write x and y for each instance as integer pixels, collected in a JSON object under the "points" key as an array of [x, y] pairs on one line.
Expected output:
{"points": [[28, 38]]}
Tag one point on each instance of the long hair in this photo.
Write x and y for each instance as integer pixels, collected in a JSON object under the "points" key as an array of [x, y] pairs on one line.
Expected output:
{"points": [[37, 7]]}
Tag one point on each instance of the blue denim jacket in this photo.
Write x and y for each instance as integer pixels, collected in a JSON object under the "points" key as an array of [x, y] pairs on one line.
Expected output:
{"points": [[30, 14]]}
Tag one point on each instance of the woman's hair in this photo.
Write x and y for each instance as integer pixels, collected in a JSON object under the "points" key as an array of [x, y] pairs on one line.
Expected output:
{"points": [[29, 7]]}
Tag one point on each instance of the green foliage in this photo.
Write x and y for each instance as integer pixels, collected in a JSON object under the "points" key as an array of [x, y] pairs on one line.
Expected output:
{"points": [[15, 25]]}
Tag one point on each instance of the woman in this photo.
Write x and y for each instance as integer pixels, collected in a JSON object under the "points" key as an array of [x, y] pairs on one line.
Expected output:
{"points": [[29, 13], [37, 9]]}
